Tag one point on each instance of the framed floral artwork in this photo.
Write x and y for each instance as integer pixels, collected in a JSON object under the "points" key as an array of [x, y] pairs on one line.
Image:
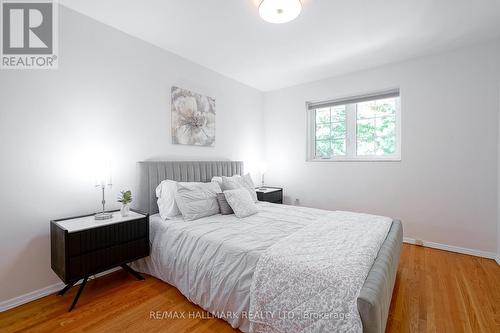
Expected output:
{"points": [[193, 118]]}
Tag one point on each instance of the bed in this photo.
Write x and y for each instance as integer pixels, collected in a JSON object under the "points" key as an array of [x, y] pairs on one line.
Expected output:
{"points": [[213, 260]]}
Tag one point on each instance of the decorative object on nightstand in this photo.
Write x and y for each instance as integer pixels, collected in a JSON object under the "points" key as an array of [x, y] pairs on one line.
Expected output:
{"points": [[263, 170], [103, 180], [81, 246], [125, 199], [270, 194]]}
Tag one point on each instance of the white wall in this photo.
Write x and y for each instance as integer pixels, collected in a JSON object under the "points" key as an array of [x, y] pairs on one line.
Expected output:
{"points": [[498, 186], [111, 94], [445, 188]]}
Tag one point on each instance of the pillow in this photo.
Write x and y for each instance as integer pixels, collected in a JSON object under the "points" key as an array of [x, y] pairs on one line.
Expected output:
{"points": [[225, 209], [241, 202], [218, 180], [165, 192], [197, 200], [249, 180], [238, 182]]}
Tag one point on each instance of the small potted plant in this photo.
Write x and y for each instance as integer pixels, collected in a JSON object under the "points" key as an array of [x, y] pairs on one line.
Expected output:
{"points": [[125, 199]]}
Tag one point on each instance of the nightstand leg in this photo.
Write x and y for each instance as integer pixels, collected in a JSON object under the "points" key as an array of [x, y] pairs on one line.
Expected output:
{"points": [[65, 289], [134, 273], [78, 294]]}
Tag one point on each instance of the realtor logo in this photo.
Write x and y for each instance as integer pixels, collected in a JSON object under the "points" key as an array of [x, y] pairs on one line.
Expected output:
{"points": [[29, 34]]}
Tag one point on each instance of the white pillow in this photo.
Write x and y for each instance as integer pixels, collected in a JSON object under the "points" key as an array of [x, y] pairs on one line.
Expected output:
{"points": [[197, 200], [238, 182], [165, 192], [241, 202], [218, 180], [250, 183]]}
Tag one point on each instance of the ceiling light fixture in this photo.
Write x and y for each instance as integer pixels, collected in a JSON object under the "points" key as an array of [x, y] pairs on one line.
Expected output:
{"points": [[279, 11]]}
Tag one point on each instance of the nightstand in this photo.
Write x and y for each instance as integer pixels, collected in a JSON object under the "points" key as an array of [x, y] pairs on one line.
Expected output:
{"points": [[270, 194], [82, 246]]}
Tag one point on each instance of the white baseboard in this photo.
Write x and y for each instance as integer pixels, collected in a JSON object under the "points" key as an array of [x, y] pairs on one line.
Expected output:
{"points": [[36, 294], [498, 259], [31, 296], [451, 248]]}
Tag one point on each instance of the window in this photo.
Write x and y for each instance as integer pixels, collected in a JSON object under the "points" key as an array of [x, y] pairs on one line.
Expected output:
{"points": [[359, 128], [331, 131]]}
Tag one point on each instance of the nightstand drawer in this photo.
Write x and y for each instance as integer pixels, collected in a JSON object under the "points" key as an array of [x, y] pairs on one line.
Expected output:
{"points": [[270, 194], [274, 196], [100, 260], [90, 240]]}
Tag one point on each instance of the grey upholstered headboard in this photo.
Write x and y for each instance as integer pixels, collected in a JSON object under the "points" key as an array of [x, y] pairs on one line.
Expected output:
{"points": [[152, 173]]}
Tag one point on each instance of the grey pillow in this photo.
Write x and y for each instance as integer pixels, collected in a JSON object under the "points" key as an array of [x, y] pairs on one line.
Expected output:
{"points": [[225, 209], [197, 200]]}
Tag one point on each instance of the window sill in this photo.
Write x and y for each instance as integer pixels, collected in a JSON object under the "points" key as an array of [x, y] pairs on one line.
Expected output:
{"points": [[357, 159]]}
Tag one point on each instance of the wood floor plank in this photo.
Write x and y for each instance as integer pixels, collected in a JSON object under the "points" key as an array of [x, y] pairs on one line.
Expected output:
{"points": [[435, 291]]}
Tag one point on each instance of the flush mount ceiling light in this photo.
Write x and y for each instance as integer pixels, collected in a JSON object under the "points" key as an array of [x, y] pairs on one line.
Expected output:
{"points": [[279, 11]]}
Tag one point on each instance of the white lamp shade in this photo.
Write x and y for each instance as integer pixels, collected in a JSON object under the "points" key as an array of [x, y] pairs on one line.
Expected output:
{"points": [[263, 167], [102, 174], [279, 11]]}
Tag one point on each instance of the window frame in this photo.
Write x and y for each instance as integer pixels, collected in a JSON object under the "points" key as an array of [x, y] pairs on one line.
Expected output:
{"points": [[351, 129]]}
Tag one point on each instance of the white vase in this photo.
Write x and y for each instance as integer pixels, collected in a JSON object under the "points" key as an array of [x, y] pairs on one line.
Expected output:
{"points": [[125, 210]]}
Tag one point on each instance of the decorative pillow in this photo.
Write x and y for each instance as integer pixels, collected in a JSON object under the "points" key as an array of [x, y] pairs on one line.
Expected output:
{"points": [[238, 182], [225, 209], [241, 202], [249, 181], [197, 200], [232, 181]]}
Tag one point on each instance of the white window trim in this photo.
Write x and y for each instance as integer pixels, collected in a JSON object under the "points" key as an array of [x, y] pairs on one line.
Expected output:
{"points": [[351, 137]]}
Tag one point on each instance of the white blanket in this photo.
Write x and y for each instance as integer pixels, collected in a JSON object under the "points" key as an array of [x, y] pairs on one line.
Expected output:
{"points": [[310, 280]]}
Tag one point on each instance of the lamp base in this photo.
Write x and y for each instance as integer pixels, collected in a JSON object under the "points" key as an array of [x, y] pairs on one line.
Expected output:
{"points": [[103, 216]]}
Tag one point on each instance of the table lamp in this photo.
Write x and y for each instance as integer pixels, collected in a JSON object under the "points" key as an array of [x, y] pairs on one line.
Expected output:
{"points": [[103, 181], [263, 170]]}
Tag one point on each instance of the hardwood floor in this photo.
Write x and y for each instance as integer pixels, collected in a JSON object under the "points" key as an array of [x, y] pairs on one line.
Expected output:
{"points": [[440, 291], [435, 291]]}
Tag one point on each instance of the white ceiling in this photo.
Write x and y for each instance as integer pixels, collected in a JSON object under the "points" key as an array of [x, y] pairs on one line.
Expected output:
{"points": [[330, 37]]}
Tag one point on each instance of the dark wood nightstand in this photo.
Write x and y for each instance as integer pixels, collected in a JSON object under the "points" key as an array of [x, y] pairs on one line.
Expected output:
{"points": [[270, 194], [82, 246]]}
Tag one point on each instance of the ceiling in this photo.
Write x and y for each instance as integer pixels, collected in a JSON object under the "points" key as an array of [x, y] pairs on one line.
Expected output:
{"points": [[330, 37]]}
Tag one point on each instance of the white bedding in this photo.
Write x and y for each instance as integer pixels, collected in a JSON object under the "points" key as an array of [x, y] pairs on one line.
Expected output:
{"points": [[310, 280], [212, 260]]}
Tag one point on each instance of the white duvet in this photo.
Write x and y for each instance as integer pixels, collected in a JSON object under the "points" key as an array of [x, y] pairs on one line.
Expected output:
{"points": [[212, 260], [310, 280]]}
